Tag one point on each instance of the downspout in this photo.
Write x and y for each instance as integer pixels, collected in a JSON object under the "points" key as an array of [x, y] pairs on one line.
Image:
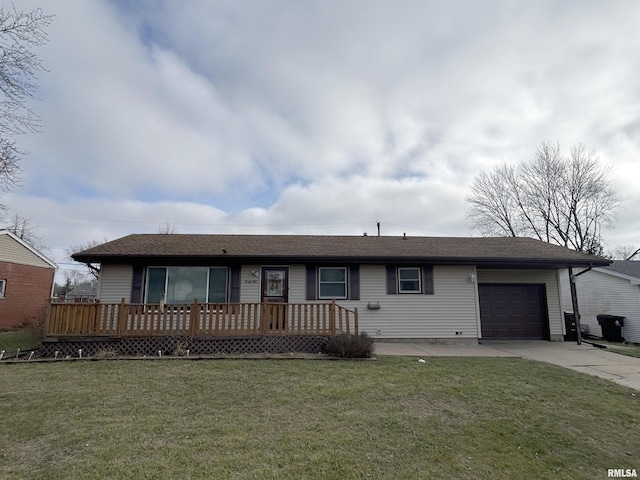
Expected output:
{"points": [[574, 301], [53, 284]]}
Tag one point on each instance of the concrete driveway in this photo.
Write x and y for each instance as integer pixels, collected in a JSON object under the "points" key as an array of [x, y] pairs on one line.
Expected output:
{"points": [[583, 358]]}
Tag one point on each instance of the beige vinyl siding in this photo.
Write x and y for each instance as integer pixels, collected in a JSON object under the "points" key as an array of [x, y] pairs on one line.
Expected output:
{"points": [[298, 284], [565, 291], [451, 309], [115, 283], [250, 284], [547, 277], [13, 252], [599, 293]]}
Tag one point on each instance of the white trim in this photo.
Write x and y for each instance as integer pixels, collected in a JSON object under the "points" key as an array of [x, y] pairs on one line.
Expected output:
{"points": [[476, 298], [400, 290], [346, 283], [28, 247], [564, 327]]}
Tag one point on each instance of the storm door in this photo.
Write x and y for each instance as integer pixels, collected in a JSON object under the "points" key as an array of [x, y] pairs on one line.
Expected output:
{"points": [[275, 290]]}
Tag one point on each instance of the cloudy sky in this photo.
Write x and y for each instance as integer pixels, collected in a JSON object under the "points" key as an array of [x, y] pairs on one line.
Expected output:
{"points": [[317, 116]]}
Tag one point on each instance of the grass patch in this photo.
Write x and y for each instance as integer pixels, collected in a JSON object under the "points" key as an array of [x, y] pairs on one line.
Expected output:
{"points": [[26, 340], [628, 349], [451, 418]]}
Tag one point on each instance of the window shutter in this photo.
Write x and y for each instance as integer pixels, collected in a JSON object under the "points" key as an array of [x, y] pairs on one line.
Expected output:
{"points": [[427, 279], [234, 294], [136, 285], [354, 282], [392, 283], [312, 275]]}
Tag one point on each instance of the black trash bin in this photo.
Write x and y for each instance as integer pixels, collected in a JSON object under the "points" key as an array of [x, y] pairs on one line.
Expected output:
{"points": [[570, 327], [611, 327]]}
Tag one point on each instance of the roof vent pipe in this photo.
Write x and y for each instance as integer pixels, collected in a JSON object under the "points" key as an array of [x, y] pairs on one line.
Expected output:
{"points": [[378, 225], [404, 236]]}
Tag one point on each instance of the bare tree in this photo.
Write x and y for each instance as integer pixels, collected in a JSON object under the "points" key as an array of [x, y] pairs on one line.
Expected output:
{"points": [[72, 279], [20, 32], [557, 198], [625, 252], [10, 173], [24, 228], [92, 268], [61, 290], [168, 228]]}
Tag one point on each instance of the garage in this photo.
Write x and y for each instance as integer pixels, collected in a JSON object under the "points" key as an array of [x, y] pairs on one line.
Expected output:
{"points": [[513, 312]]}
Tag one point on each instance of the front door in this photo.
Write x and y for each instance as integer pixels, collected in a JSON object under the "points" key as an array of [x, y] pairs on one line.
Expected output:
{"points": [[275, 289], [275, 284]]}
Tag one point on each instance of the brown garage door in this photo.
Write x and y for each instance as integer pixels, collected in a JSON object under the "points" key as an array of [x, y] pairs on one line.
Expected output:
{"points": [[513, 312]]}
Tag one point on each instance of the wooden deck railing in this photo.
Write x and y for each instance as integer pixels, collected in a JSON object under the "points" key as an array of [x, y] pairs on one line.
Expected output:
{"points": [[199, 319]]}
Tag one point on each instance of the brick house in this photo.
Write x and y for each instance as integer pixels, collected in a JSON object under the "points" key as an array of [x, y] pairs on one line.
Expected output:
{"points": [[26, 282]]}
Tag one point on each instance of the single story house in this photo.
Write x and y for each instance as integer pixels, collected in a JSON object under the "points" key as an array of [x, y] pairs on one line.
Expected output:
{"points": [[611, 290], [402, 287], [26, 282]]}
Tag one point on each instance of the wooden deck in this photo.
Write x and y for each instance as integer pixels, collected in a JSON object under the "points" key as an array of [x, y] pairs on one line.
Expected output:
{"points": [[199, 319]]}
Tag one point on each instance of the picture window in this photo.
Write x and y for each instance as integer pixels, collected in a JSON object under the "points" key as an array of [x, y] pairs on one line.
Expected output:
{"points": [[182, 285]]}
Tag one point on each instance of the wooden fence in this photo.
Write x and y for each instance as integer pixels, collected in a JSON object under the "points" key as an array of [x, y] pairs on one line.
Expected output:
{"points": [[199, 319]]}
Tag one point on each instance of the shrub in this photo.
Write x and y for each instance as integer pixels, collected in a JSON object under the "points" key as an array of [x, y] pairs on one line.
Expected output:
{"points": [[181, 350], [106, 353], [351, 346]]}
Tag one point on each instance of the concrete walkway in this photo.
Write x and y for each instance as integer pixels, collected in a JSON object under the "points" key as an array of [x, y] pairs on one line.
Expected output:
{"points": [[583, 358]]}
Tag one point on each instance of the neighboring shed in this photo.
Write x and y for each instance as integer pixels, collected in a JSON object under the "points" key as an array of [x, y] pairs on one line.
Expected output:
{"points": [[612, 290], [26, 282]]}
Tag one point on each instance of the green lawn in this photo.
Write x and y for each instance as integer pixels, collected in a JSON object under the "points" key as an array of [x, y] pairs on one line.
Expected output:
{"points": [[396, 418], [26, 340], [629, 349]]}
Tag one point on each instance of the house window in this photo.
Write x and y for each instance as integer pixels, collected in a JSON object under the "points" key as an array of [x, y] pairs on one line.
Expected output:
{"points": [[409, 280], [332, 282], [217, 285], [3, 284], [181, 285], [313, 276], [415, 279]]}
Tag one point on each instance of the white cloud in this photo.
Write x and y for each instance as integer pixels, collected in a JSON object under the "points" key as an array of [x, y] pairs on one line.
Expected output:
{"points": [[318, 116]]}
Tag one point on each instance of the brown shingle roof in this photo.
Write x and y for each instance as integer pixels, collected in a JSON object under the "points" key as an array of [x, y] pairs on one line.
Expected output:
{"points": [[487, 251]]}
